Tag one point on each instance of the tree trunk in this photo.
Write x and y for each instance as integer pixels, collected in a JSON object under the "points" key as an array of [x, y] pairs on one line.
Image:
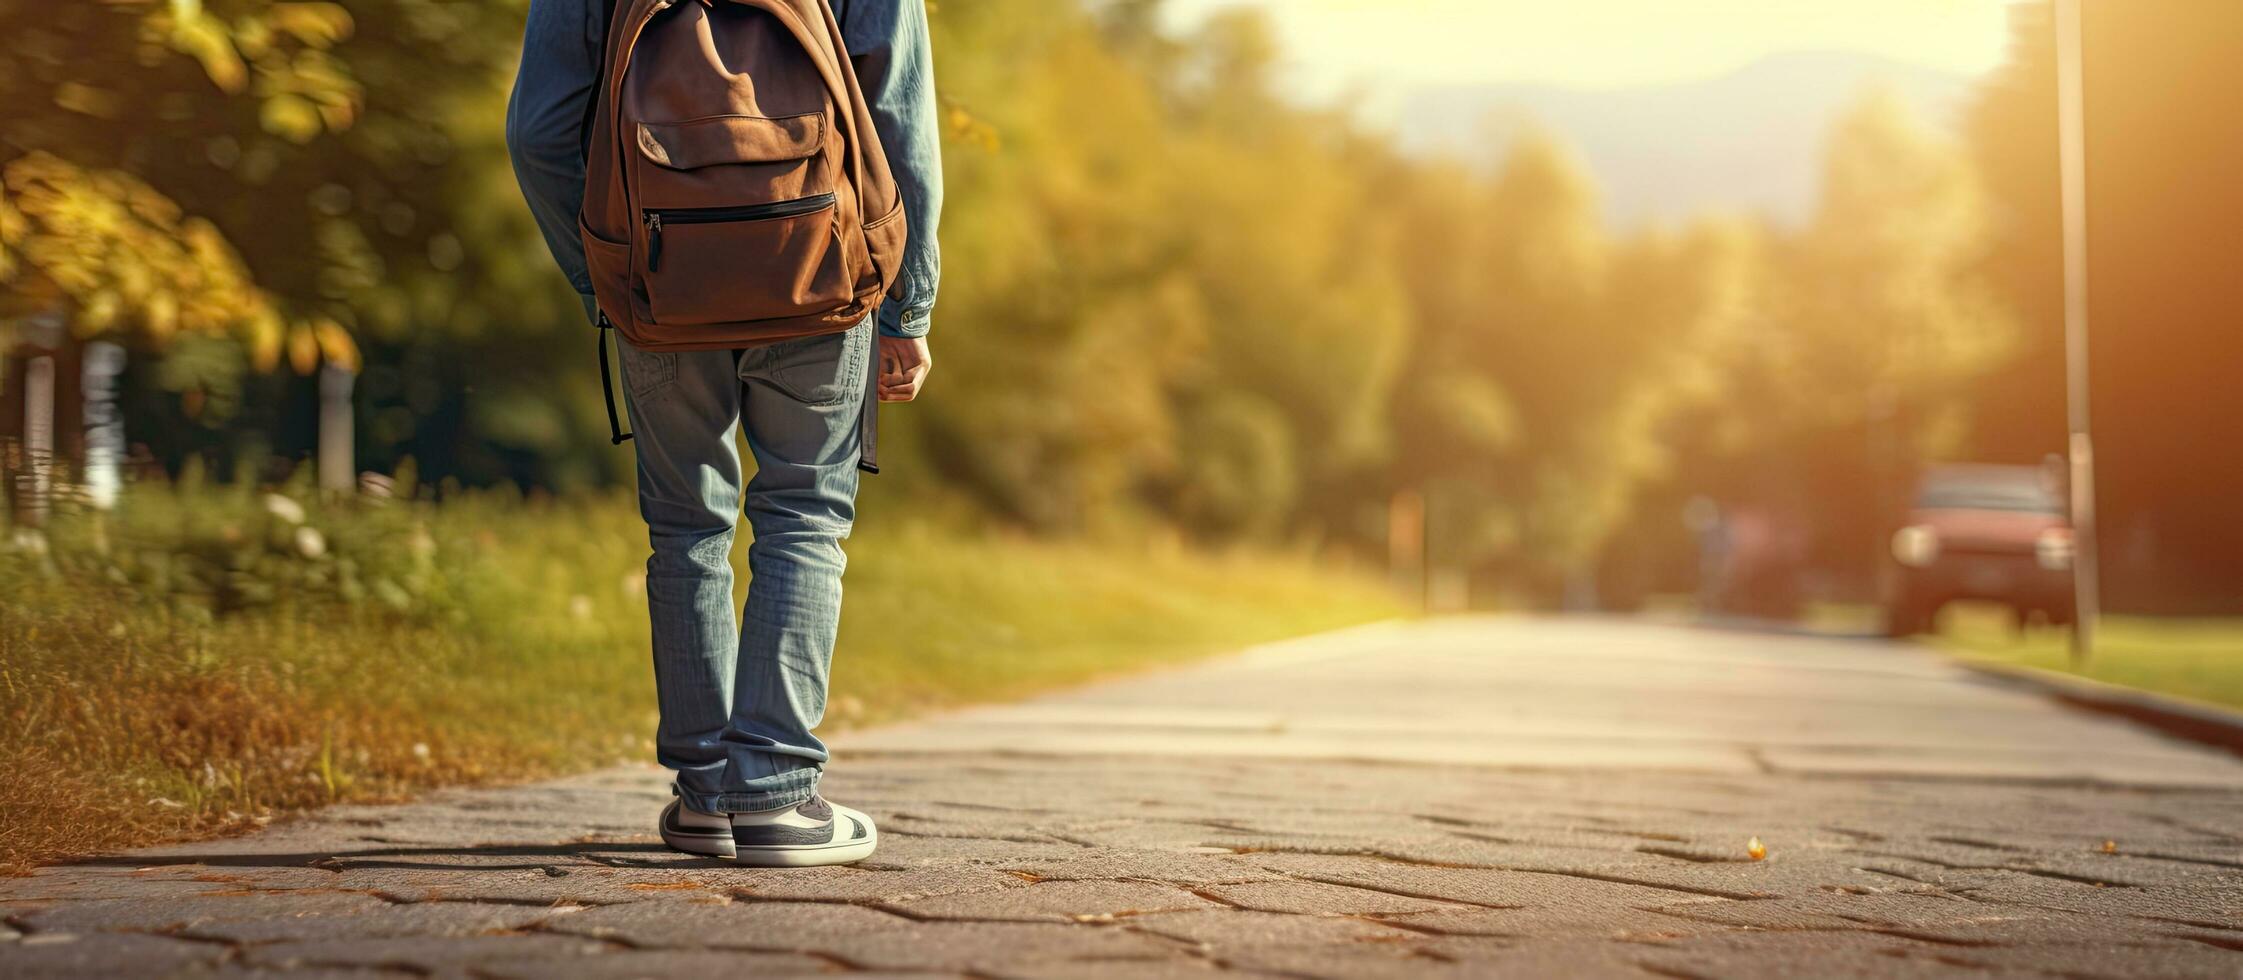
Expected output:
{"points": [[338, 457], [105, 424]]}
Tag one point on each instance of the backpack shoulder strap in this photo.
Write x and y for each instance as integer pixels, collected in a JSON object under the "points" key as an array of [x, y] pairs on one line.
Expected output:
{"points": [[592, 102], [599, 74]]}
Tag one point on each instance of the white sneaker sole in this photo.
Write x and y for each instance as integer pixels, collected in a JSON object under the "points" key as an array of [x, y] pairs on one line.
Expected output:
{"points": [[717, 844], [799, 856]]}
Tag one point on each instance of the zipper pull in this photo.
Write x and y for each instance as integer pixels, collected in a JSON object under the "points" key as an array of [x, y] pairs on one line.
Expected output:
{"points": [[653, 240]]}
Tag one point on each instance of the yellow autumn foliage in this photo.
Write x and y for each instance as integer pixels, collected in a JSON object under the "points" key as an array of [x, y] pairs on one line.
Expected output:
{"points": [[127, 259]]}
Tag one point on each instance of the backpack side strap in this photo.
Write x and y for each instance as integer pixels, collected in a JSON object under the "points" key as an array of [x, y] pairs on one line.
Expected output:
{"points": [[607, 387], [868, 414]]}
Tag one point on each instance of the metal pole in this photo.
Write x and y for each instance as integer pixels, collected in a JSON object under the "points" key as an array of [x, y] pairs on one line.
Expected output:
{"points": [[2071, 115], [1405, 545], [105, 424], [337, 454], [38, 439]]}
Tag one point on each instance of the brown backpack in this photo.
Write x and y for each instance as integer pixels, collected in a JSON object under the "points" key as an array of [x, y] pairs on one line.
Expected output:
{"points": [[735, 191]]}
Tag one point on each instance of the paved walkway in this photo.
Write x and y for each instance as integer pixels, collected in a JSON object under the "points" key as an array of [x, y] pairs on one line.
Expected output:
{"points": [[1464, 797]]}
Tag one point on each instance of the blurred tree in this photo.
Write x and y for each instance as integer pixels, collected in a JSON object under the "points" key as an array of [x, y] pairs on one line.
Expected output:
{"points": [[1869, 330], [1888, 313], [82, 79], [1157, 265], [1237, 475], [120, 255], [1690, 300], [1293, 249], [1888, 321], [1545, 356], [2011, 128], [1549, 337], [350, 157], [1063, 310]]}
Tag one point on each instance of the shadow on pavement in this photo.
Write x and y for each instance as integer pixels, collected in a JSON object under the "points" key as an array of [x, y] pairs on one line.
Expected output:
{"points": [[611, 854]]}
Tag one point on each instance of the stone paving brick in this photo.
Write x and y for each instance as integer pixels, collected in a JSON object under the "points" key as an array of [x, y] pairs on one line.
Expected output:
{"points": [[241, 971], [589, 885], [771, 926], [1560, 920], [1119, 970], [50, 889], [1084, 864], [2028, 928], [908, 821], [2094, 869], [1783, 873], [1775, 955], [1789, 955], [63, 884], [1542, 956], [641, 964], [416, 921], [1220, 932], [1000, 947], [68, 954], [2117, 958], [1055, 901], [1475, 886], [1836, 911], [1318, 898], [170, 913], [424, 955], [1160, 834], [904, 851], [2214, 905], [1375, 957], [1580, 855], [861, 885]]}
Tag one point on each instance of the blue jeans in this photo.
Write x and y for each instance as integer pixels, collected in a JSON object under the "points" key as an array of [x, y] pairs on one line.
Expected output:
{"points": [[740, 701]]}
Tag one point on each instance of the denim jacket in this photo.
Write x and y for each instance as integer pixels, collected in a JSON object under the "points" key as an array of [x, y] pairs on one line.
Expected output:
{"points": [[888, 44]]}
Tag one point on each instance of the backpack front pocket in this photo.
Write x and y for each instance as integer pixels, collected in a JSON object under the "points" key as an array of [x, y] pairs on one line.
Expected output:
{"points": [[751, 262]]}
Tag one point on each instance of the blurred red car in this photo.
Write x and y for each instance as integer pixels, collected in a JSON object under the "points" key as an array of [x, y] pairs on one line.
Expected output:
{"points": [[1982, 532]]}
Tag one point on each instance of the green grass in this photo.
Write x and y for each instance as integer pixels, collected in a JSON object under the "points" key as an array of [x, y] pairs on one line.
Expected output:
{"points": [[2200, 659], [183, 668]]}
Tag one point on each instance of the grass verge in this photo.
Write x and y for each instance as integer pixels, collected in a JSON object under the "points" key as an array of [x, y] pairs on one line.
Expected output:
{"points": [[2192, 658], [205, 660]]}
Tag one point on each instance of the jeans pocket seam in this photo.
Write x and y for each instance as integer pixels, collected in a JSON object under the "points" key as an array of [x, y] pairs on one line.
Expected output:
{"points": [[647, 372], [852, 375]]}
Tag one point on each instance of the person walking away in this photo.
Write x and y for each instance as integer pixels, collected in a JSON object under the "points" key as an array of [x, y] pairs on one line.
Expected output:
{"points": [[710, 346]]}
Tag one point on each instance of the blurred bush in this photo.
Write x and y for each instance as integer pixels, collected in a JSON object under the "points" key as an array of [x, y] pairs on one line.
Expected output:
{"points": [[229, 551]]}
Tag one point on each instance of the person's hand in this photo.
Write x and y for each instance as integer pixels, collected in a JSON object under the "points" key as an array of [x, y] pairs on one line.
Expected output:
{"points": [[904, 362]]}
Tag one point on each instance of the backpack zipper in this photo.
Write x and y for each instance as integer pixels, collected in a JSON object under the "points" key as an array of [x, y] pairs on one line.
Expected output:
{"points": [[702, 216]]}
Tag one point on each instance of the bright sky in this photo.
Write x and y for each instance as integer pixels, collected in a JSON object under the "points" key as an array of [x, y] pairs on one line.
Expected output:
{"points": [[1336, 44]]}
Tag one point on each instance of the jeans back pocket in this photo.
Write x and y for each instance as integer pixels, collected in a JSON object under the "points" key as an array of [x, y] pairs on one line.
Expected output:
{"points": [[822, 370]]}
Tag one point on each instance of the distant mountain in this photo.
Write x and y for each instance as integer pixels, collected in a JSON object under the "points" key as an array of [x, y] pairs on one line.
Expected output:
{"points": [[1750, 140]]}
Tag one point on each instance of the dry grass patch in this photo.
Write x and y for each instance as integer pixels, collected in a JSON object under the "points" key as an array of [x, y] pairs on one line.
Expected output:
{"points": [[206, 659]]}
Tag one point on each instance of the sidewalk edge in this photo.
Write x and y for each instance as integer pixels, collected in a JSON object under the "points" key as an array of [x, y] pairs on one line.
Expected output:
{"points": [[2195, 721]]}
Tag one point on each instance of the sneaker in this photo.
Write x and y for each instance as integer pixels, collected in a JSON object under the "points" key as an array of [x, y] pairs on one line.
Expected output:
{"points": [[694, 832], [810, 833]]}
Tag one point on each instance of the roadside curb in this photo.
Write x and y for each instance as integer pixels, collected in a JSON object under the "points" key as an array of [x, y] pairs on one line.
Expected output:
{"points": [[2196, 721]]}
